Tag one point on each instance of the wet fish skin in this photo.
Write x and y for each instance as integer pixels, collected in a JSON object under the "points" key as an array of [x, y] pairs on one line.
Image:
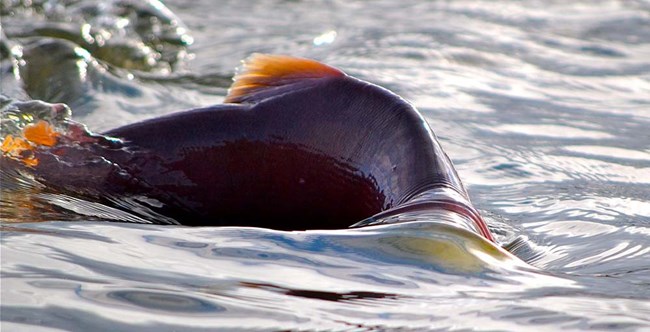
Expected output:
{"points": [[297, 145]]}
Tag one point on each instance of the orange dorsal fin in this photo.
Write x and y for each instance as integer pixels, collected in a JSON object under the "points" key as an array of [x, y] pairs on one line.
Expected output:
{"points": [[261, 73]]}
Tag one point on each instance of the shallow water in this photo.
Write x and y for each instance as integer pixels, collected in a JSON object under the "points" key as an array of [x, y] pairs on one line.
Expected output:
{"points": [[542, 106]]}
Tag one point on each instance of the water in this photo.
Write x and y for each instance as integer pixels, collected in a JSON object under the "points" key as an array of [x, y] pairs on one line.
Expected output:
{"points": [[542, 106]]}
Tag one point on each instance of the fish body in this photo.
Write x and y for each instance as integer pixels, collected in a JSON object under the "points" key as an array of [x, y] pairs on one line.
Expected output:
{"points": [[296, 145]]}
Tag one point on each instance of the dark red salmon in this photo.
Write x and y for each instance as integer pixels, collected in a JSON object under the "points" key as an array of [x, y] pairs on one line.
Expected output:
{"points": [[297, 145]]}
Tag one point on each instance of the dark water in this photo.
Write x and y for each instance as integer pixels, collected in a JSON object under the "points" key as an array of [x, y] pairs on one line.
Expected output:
{"points": [[544, 107]]}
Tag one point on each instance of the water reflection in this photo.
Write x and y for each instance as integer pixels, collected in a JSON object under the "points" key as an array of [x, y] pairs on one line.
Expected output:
{"points": [[320, 295], [335, 266], [552, 131], [609, 152], [154, 300], [148, 270]]}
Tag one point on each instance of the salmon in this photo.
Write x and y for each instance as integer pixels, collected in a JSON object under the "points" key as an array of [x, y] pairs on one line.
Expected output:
{"points": [[296, 145]]}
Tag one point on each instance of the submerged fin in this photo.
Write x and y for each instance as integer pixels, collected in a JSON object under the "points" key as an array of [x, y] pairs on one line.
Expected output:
{"points": [[34, 135], [15, 148], [264, 73], [41, 133]]}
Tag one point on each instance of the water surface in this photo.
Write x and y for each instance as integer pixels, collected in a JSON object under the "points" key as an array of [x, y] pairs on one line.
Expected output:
{"points": [[544, 107]]}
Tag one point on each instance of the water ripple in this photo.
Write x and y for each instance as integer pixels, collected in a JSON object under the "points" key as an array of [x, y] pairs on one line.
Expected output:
{"points": [[542, 105]]}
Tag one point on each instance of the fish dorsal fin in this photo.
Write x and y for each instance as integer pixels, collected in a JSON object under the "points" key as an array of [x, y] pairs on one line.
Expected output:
{"points": [[261, 75]]}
